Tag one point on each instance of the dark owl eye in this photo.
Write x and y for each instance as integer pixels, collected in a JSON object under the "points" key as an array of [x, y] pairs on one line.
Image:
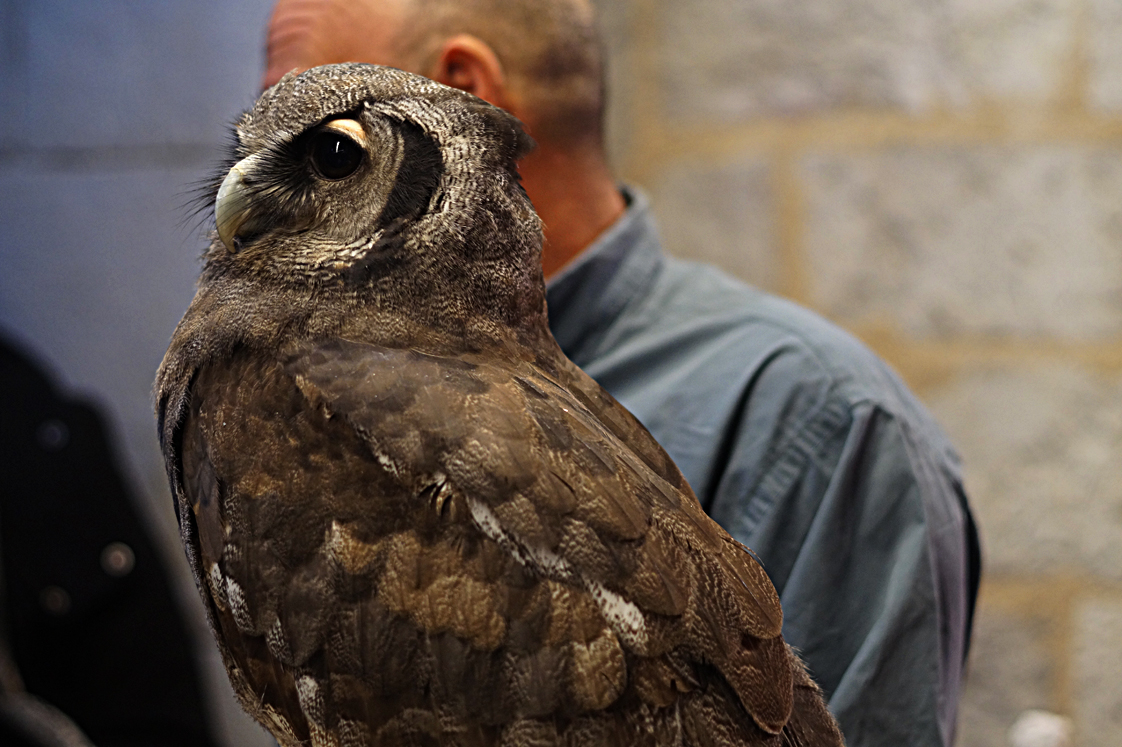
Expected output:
{"points": [[335, 156]]}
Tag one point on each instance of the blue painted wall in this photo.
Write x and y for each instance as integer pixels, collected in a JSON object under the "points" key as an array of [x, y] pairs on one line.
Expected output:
{"points": [[109, 113]]}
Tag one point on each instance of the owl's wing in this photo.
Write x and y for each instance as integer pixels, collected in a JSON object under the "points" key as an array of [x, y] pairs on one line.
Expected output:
{"points": [[463, 542]]}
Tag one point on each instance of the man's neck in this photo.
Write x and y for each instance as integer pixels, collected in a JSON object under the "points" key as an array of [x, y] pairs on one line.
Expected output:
{"points": [[576, 196]]}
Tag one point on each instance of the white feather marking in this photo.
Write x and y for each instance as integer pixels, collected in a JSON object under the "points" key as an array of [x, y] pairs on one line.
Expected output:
{"points": [[277, 642], [307, 690], [236, 599], [217, 586], [625, 619], [311, 703], [389, 464]]}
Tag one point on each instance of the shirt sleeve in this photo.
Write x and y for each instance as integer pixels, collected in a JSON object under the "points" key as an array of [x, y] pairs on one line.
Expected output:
{"points": [[861, 522]]}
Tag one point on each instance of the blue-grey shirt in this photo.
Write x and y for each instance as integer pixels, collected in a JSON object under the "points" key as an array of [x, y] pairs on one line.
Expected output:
{"points": [[807, 448]]}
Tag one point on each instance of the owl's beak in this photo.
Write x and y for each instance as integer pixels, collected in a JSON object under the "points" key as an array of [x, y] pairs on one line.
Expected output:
{"points": [[231, 209]]}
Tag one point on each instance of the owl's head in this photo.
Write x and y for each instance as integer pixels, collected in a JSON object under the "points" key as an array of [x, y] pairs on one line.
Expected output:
{"points": [[375, 182]]}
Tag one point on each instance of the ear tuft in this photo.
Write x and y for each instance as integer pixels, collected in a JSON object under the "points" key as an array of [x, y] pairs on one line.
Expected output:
{"points": [[525, 144], [516, 142]]}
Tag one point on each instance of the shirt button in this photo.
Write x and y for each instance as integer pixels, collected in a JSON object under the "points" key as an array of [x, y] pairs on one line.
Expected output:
{"points": [[55, 600], [53, 435], [118, 559]]}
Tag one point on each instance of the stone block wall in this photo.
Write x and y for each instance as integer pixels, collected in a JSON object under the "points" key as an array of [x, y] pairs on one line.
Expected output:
{"points": [[944, 179]]}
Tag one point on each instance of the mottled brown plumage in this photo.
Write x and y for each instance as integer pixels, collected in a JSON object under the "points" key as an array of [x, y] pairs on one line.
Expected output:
{"points": [[412, 520]]}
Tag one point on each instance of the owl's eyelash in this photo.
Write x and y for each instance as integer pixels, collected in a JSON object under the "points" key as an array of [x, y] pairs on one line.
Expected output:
{"points": [[280, 186], [200, 195]]}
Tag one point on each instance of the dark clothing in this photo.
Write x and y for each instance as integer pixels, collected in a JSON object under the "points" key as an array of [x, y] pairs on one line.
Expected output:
{"points": [[88, 611], [808, 449]]}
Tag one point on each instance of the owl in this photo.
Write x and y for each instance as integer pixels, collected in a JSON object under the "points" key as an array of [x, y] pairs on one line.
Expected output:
{"points": [[412, 520]]}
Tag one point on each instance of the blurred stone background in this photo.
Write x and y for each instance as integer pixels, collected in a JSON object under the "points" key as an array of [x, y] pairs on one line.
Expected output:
{"points": [[941, 177]]}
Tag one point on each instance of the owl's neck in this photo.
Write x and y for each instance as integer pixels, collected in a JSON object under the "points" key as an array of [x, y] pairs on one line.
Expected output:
{"points": [[229, 312]]}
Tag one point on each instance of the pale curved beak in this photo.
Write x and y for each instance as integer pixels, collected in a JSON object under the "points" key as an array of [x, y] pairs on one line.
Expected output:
{"points": [[231, 208]]}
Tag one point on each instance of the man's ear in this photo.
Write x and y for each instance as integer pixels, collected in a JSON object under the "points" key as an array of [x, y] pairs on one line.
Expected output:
{"points": [[468, 63]]}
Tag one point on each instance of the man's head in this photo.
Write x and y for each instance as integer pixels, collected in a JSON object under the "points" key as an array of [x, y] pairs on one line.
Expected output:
{"points": [[538, 59], [544, 55]]}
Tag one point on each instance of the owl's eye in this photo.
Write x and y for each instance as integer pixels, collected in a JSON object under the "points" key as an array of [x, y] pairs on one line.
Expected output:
{"points": [[335, 156]]}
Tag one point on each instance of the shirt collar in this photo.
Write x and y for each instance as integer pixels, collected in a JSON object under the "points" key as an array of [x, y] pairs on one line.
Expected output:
{"points": [[589, 293]]}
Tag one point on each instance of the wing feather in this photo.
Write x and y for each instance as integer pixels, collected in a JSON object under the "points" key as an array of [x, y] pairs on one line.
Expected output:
{"points": [[386, 534]]}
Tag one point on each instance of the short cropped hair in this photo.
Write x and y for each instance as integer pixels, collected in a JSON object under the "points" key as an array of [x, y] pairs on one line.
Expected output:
{"points": [[550, 49]]}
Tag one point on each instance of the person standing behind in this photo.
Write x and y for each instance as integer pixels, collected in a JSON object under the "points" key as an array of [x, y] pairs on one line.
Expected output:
{"points": [[796, 438], [92, 641]]}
